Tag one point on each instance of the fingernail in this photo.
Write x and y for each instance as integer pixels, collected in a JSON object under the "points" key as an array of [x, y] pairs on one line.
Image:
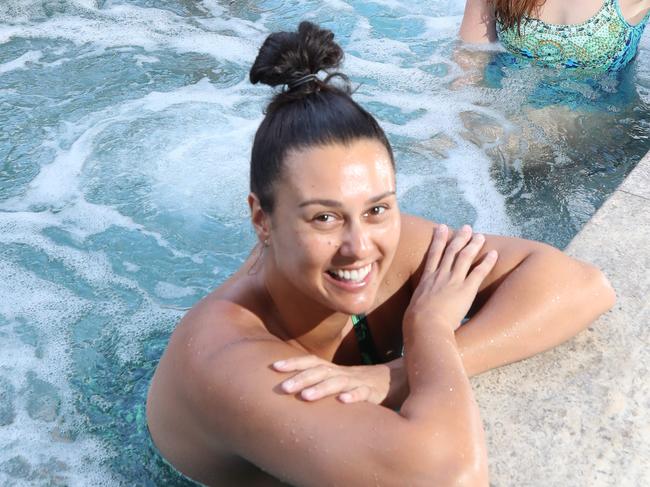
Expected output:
{"points": [[279, 364], [287, 385], [441, 228], [308, 393], [345, 397], [492, 253], [480, 236]]}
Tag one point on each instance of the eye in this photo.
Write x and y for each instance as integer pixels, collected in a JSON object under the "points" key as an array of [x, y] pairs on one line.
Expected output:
{"points": [[324, 218], [377, 210]]}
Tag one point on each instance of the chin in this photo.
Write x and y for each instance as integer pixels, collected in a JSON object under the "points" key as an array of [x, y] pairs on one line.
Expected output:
{"points": [[353, 306]]}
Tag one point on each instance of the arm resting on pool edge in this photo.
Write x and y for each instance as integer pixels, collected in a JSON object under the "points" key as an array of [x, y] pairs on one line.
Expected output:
{"points": [[535, 298], [539, 303]]}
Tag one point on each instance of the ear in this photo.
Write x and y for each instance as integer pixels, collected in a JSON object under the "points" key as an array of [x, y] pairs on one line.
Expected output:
{"points": [[260, 220]]}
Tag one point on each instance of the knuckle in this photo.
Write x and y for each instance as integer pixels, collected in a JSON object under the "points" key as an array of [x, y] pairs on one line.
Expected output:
{"points": [[468, 251], [325, 369]]}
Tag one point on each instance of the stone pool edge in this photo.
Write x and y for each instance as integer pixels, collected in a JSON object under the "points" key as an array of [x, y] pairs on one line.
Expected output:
{"points": [[578, 414]]}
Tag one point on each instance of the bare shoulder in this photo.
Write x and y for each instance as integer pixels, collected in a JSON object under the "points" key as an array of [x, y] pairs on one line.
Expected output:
{"points": [[634, 10], [233, 393], [417, 234], [212, 389], [416, 238]]}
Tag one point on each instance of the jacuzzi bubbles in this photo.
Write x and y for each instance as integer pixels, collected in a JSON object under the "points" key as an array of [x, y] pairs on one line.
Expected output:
{"points": [[124, 155]]}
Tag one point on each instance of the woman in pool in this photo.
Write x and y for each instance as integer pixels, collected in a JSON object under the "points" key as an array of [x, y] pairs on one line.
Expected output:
{"points": [[292, 369], [592, 34]]}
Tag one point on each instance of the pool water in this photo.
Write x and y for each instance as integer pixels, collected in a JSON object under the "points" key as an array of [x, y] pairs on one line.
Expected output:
{"points": [[126, 130]]}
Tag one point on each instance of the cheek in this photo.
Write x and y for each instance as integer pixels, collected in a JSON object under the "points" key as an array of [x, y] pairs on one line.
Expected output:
{"points": [[304, 249], [389, 236]]}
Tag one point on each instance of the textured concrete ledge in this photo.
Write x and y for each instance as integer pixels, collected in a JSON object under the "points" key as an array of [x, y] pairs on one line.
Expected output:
{"points": [[579, 415]]}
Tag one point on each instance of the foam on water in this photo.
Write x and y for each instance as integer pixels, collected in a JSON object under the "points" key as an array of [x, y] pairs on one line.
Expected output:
{"points": [[128, 137], [21, 62], [145, 27], [34, 444]]}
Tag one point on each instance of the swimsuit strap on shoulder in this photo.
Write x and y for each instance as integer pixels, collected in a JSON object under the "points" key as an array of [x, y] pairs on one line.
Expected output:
{"points": [[369, 355]]}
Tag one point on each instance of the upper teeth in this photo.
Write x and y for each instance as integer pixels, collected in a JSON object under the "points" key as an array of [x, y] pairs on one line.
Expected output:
{"points": [[353, 275]]}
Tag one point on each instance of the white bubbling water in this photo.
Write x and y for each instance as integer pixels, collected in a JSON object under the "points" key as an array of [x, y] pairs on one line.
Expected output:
{"points": [[136, 124]]}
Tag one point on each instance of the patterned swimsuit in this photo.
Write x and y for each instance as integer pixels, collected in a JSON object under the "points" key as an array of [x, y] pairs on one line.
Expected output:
{"points": [[605, 42]]}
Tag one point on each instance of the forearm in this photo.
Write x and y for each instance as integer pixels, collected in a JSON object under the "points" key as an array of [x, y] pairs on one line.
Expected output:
{"points": [[441, 401], [439, 389], [398, 386], [545, 301]]}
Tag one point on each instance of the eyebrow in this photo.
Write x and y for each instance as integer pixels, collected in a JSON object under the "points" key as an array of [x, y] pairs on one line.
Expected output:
{"points": [[338, 204]]}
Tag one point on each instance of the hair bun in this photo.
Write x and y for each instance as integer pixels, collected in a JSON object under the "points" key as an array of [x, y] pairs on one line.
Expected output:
{"points": [[289, 56]]}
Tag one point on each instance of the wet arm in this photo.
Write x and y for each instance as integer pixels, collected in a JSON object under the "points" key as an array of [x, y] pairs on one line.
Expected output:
{"points": [[435, 439], [533, 303], [478, 25]]}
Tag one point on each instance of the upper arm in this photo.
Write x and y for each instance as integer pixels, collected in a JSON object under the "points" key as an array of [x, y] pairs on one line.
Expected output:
{"points": [[512, 251], [237, 399], [478, 25]]}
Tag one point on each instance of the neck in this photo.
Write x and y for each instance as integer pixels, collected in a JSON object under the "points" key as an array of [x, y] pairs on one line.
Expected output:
{"points": [[299, 320]]}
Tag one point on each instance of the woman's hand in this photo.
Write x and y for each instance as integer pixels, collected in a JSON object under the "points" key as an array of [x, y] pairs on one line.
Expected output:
{"points": [[448, 287], [318, 378]]}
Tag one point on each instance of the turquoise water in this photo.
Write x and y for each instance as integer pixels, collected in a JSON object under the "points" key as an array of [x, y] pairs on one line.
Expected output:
{"points": [[126, 130]]}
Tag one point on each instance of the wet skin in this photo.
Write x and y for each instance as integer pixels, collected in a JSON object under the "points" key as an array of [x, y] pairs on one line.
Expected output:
{"points": [[216, 404]]}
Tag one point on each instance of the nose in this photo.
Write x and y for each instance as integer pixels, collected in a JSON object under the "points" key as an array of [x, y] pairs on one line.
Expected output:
{"points": [[355, 242]]}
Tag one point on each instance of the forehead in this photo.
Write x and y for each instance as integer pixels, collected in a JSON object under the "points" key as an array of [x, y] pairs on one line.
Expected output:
{"points": [[362, 167]]}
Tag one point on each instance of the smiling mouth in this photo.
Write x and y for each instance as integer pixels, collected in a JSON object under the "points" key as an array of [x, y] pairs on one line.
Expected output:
{"points": [[351, 275]]}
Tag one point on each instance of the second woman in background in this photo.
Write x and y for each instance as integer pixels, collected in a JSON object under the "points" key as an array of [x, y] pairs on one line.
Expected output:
{"points": [[591, 34]]}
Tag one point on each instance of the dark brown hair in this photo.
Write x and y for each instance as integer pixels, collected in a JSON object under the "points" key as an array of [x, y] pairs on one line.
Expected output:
{"points": [[510, 13], [310, 110]]}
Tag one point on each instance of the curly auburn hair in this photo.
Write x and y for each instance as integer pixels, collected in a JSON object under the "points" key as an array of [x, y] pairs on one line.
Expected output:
{"points": [[509, 13]]}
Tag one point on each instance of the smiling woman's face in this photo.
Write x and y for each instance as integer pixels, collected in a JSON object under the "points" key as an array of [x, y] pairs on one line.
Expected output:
{"points": [[336, 224]]}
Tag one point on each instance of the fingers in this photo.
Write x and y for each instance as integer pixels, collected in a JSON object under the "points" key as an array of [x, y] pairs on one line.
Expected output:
{"points": [[480, 272], [328, 387], [466, 257], [297, 363], [341, 385], [306, 378], [358, 394], [437, 247], [458, 242]]}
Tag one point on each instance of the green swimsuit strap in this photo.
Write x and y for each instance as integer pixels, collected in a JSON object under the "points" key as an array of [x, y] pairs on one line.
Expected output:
{"points": [[369, 355]]}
